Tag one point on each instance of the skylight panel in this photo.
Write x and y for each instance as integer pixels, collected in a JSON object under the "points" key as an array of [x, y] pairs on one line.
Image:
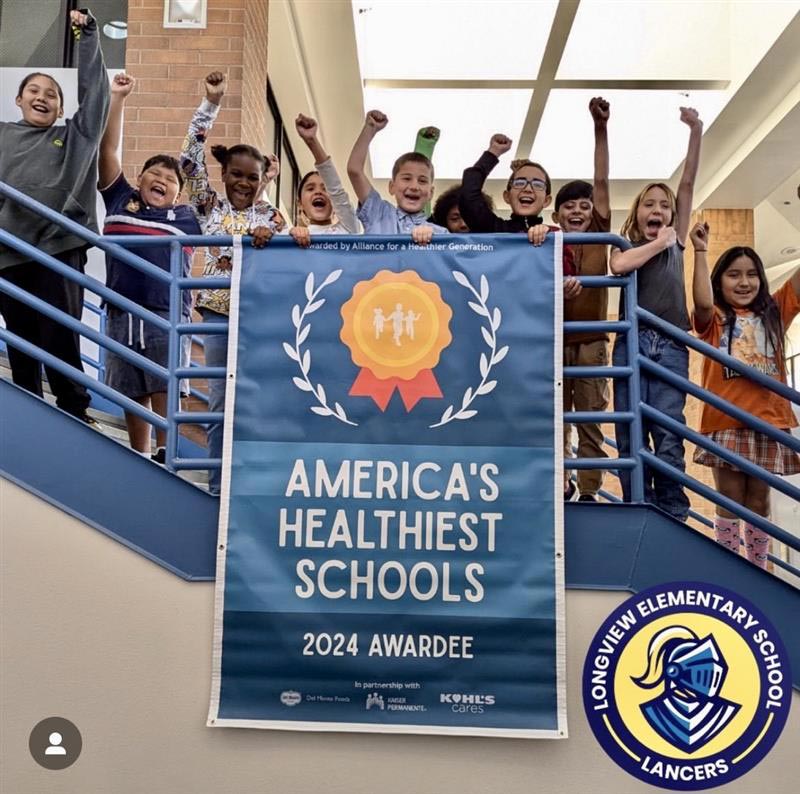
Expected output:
{"points": [[467, 119], [646, 137], [425, 40]]}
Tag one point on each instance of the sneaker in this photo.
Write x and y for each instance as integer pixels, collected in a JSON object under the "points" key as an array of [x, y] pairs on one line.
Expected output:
{"points": [[92, 422], [587, 497], [160, 456], [571, 494]]}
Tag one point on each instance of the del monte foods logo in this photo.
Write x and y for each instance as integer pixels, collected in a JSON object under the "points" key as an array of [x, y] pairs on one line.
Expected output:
{"points": [[687, 686]]}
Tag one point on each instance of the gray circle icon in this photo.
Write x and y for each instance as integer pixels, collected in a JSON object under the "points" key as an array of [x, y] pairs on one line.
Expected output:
{"points": [[55, 743]]}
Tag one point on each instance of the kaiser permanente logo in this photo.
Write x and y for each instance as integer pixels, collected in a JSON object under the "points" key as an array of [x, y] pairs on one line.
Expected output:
{"points": [[687, 686]]}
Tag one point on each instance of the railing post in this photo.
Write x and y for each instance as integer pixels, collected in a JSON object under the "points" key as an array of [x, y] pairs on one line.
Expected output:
{"points": [[174, 352], [634, 390]]}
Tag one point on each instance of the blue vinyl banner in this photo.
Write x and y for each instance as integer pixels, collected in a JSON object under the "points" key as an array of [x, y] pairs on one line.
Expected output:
{"points": [[390, 551]]}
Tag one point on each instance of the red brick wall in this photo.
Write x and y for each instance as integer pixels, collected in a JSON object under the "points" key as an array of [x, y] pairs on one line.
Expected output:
{"points": [[169, 65]]}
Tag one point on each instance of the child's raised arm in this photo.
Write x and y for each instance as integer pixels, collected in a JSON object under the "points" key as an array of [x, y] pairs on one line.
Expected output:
{"points": [[702, 294], [193, 155], [600, 111], [307, 129], [691, 118], [109, 166], [374, 122], [622, 262], [474, 210], [93, 90]]}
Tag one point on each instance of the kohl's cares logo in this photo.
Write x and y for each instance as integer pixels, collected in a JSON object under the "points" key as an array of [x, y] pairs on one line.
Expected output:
{"points": [[466, 700]]}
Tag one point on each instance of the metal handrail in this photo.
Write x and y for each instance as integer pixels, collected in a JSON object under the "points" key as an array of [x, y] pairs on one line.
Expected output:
{"points": [[176, 327]]}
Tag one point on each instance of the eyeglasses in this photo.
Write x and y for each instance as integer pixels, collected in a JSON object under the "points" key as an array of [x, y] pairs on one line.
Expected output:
{"points": [[520, 183]]}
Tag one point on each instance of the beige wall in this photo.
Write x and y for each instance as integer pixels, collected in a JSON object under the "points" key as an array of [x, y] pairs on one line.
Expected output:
{"points": [[97, 634]]}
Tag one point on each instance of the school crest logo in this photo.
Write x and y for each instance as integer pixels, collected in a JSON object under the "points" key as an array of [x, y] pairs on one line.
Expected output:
{"points": [[396, 327], [687, 686]]}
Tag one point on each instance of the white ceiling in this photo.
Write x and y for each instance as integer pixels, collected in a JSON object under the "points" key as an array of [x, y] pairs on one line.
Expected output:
{"points": [[528, 69]]}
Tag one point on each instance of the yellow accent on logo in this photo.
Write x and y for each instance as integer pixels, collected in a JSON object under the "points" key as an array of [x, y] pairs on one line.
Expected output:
{"points": [[741, 683], [58, 142], [396, 324]]}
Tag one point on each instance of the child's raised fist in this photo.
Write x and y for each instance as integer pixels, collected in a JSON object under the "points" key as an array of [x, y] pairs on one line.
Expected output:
{"points": [[699, 237], [667, 236], [215, 87], [78, 19], [273, 167], [122, 85], [600, 110], [499, 144], [376, 120], [691, 117], [306, 127]]}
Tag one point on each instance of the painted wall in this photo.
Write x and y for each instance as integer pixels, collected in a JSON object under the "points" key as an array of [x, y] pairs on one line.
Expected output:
{"points": [[98, 635]]}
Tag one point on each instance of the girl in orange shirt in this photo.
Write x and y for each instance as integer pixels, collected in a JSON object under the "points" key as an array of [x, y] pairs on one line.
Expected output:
{"points": [[734, 312]]}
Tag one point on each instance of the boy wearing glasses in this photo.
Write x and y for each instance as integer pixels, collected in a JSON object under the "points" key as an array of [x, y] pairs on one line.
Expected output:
{"points": [[527, 193]]}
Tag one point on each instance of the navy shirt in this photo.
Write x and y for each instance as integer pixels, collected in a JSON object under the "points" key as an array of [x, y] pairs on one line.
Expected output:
{"points": [[126, 213]]}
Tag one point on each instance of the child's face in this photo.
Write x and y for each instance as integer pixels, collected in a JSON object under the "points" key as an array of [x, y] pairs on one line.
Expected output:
{"points": [[740, 282], [527, 200], [159, 186], [412, 188], [653, 212], [455, 223], [315, 201], [39, 102], [574, 215], [243, 178]]}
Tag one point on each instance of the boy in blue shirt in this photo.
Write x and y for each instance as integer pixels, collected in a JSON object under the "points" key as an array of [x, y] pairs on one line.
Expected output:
{"points": [[411, 185]]}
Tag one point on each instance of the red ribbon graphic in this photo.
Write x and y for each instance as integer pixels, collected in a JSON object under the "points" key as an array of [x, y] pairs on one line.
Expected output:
{"points": [[423, 384]]}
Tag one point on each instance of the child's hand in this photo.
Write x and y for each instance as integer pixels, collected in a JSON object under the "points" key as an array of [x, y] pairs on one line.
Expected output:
{"points": [[122, 85], [273, 168], [499, 144], [306, 127], [699, 237], [261, 236], [572, 288], [600, 110], [78, 20], [376, 120], [666, 236], [301, 235], [430, 133], [422, 235], [215, 84], [691, 117], [536, 234]]}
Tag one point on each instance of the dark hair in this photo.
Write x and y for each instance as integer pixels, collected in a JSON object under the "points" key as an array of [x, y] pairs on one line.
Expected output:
{"points": [[449, 199], [763, 305], [518, 165], [29, 77], [168, 162], [577, 189], [410, 157], [222, 154], [304, 180]]}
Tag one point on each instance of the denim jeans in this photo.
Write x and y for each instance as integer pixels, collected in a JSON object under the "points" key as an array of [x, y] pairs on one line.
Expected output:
{"points": [[216, 351], [658, 489]]}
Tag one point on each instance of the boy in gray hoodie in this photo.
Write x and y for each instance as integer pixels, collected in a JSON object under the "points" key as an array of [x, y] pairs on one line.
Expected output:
{"points": [[55, 164]]}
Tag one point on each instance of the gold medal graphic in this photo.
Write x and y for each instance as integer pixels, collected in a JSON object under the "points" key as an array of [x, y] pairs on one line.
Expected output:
{"points": [[396, 326]]}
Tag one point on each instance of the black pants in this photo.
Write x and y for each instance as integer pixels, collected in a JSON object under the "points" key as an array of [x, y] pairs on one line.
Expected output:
{"points": [[47, 334]]}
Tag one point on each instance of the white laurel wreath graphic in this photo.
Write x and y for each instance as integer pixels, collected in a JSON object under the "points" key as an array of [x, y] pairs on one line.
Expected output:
{"points": [[303, 357], [494, 318]]}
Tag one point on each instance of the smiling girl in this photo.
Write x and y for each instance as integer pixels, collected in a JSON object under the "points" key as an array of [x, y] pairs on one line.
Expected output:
{"points": [[657, 226], [324, 205], [733, 311], [149, 208], [241, 210], [55, 164]]}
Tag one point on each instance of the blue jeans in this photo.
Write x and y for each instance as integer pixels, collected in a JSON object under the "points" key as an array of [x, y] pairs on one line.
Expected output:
{"points": [[216, 351], [658, 489]]}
